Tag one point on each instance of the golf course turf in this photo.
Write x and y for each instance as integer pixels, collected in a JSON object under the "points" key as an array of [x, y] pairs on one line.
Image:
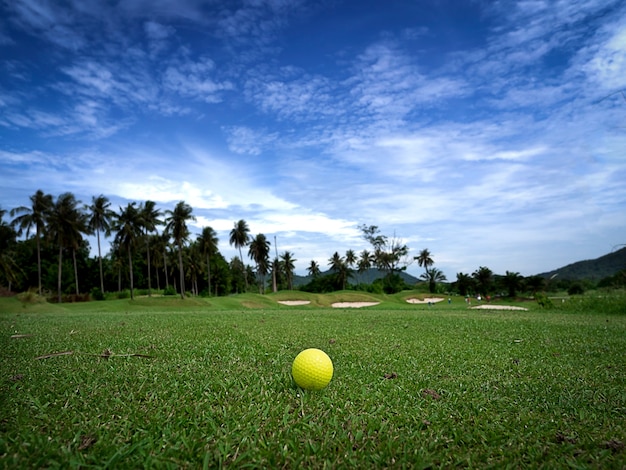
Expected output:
{"points": [[167, 383]]}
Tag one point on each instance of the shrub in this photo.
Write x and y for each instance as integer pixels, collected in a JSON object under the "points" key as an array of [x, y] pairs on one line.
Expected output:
{"points": [[97, 294], [31, 297], [576, 289], [543, 300], [123, 294], [169, 290]]}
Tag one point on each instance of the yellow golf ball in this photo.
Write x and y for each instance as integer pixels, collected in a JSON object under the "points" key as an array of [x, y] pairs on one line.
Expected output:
{"points": [[312, 369]]}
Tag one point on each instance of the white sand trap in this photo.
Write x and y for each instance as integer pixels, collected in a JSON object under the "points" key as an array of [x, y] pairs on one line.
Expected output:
{"points": [[294, 302], [498, 307], [425, 301], [353, 304]]}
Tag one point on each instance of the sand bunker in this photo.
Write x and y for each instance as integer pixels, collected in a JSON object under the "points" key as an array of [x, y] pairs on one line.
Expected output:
{"points": [[294, 302], [431, 300], [498, 307], [353, 304]]}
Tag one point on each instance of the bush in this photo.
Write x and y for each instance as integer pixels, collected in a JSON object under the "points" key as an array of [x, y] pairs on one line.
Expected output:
{"points": [[543, 300], [31, 297], [576, 289], [123, 294], [97, 294], [169, 290]]}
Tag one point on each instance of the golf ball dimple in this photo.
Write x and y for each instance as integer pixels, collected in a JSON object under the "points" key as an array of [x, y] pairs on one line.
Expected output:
{"points": [[312, 369]]}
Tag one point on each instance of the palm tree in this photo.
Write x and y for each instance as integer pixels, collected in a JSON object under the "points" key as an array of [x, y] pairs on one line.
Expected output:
{"points": [[314, 269], [288, 261], [208, 246], [177, 226], [259, 251], [464, 283], [350, 258], [340, 267], [128, 228], [101, 218], [66, 224], [425, 260], [483, 277], [365, 262], [9, 269], [433, 276], [513, 282], [34, 216], [149, 221], [239, 237]]}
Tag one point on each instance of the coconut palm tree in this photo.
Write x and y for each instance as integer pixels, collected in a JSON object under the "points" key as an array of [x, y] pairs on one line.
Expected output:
{"points": [[425, 260], [513, 282], [8, 240], [365, 262], [314, 269], [66, 224], [208, 246], [433, 276], [259, 251], [128, 228], [100, 219], [464, 283], [240, 237], [338, 264], [177, 227], [34, 216], [149, 221], [484, 278], [288, 261]]}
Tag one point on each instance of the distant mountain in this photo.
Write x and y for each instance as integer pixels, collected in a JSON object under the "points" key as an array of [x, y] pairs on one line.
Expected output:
{"points": [[366, 277], [593, 269]]}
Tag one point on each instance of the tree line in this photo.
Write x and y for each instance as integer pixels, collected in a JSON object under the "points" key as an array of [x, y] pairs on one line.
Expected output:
{"points": [[44, 246]]}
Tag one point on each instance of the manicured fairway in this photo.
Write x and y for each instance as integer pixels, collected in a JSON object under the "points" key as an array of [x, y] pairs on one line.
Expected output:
{"points": [[191, 384]]}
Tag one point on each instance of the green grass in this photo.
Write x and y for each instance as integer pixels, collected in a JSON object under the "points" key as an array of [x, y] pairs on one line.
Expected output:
{"points": [[413, 387]]}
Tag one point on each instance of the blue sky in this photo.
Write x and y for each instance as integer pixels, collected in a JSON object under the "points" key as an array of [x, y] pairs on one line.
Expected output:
{"points": [[492, 133]]}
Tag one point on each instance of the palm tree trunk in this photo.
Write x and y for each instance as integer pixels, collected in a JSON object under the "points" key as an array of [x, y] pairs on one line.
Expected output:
{"points": [[75, 270], [60, 272], [208, 268], [243, 269], [167, 279], [149, 278], [180, 270], [100, 263], [38, 260], [130, 271]]}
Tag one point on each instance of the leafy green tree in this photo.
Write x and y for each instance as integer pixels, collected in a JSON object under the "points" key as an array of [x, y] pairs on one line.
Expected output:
{"points": [[149, 215], [240, 237], [314, 269], [177, 227], [128, 228], [100, 219], [66, 224], [389, 253], [484, 279], [208, 246], [287, 261], [433, 276], [259, 251], [34, 216]]}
